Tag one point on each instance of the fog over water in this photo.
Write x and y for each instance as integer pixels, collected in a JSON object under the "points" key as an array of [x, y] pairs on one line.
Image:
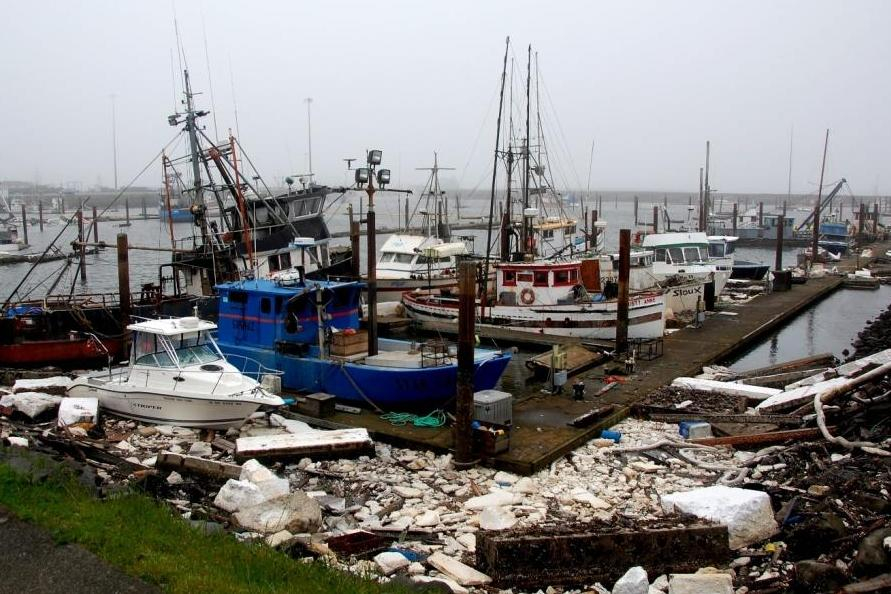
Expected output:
{"points": [[648, 82]]}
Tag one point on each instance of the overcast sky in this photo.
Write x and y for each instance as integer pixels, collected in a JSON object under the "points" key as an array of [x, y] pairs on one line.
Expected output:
{"points": [[648, 82]]}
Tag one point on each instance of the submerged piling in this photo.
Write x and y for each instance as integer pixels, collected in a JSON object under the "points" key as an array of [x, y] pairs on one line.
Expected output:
{"points": [[624, 274], [464, 403]]}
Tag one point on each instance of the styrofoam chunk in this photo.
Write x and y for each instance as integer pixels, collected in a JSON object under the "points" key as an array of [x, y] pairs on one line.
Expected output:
{"points": [[31, 404], [461, 573], [236, 495], [729, 388], [390, 561], [493, 499], [73, 411], [635, 581], [746, 513], [497, 518], [700, 583]]}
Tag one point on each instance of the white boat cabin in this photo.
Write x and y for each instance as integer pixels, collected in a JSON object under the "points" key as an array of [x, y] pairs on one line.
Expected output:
{"points": [[414, 256], [538, 283], [174, 344], [721, 246]]}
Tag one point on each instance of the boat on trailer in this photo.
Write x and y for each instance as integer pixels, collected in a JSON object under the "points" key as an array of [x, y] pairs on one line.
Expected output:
{"points": [[177, 375], [310, 331]]}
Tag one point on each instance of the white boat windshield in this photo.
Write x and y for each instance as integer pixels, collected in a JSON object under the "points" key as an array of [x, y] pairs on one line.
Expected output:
{"points": [[680, 255], [183, 350]]}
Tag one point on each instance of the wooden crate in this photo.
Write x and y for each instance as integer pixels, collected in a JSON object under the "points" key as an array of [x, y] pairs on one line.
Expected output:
{"points": [[319, 404], [488, 443], [344, 345]]}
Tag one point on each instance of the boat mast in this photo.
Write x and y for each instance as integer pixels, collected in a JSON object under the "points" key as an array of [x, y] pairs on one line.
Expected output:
{"points": [[527, 231], [191, 128], [816, 238], [484, 282]]}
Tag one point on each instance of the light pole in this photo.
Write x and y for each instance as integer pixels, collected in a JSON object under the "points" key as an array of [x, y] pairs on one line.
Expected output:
{"points": [[365, 176], [309, 133]]}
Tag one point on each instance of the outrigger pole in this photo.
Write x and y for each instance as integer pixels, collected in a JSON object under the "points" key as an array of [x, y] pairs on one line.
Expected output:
{"points": [[484, 282]]}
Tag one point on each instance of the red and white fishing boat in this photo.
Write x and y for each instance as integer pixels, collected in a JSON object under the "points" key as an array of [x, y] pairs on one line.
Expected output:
{"points": [[550, 298]]}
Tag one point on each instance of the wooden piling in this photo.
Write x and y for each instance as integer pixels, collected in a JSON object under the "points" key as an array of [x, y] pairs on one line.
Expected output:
{"points": [[594, 230], [781, 222], [127, 210], [464, 403], [735, 207], [624, 274], [861, 221], [144, 211], [760, 214], [40, 214], [635, 210], [655, 218], [24, 226], [82, 248], [124, 278], [95, 226], [406, 214], [875, 219]]}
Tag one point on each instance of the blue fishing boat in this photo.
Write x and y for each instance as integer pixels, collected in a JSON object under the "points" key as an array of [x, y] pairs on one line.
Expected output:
{"points": [[276, 322], [835, 238]]}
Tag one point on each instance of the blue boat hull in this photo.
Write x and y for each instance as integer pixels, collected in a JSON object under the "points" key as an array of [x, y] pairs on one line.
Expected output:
{"points": [[177, 215], [388, 388]]}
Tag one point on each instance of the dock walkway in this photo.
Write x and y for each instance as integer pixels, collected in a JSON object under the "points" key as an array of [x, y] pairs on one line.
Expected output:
{"points": [[540, 430]]}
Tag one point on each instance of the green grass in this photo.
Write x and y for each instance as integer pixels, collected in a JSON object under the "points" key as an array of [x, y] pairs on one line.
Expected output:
{"points": [[145, 539]]}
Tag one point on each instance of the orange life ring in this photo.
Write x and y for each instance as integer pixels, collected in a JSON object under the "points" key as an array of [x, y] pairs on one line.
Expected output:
{"points": [[527, 296]]}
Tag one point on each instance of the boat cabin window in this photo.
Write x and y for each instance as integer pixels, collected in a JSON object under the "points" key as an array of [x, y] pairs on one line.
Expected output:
{"points": [[403, 258], [547, 234], [194, 348], [541, 278], [278, 304], [561, 277], [570, 230], [238, 297], [509, 278], [433, 260], [524, 277], [691, 254], [676, 255], [660, 254], [388, 257], [265, 305]]}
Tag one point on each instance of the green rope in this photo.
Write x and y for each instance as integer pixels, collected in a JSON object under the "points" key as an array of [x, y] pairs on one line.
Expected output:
{"points": [[437, 418]]}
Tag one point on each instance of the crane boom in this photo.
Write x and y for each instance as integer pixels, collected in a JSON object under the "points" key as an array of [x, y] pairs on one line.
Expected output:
{"points": [[825, 202]]}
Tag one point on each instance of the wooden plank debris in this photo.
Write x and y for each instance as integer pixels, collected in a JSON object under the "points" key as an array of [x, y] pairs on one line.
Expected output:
{"points": [[593, 415], [821, 360], [760, 438], [200, 466]]}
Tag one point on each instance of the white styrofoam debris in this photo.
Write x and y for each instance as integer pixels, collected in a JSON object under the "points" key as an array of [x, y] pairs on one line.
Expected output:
{"points": [[294, 512], [635, 581], [254, 472], [236, 495], [427, 519], [461, 573], [47, 385], [73, 411], [31, 404], [493, 499], [497, 518], [390, 562], [407, 492], [729, 388], [746, 513], [19, 442]]}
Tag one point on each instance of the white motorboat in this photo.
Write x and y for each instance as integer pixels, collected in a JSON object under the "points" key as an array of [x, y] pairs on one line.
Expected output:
{"points": [[178, 376], [695, 256]]}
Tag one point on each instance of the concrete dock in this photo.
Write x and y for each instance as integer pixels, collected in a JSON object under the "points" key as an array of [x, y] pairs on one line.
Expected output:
{"points": [[541, 433]]}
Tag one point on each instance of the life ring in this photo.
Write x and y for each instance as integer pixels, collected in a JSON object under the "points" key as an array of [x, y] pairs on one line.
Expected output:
{"points": [[527, 296]]}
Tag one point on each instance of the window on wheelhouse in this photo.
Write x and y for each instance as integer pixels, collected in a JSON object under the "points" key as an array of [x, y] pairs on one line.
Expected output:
{"points": [[194, 348], [660, 255], [404, 258], [561, 277], [676, 255], [541, 278], [691, 254], [509, 278]]}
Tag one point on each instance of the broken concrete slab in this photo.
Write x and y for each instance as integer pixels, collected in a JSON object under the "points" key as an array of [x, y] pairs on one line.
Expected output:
{"points": [[342, 442], [796, 397], [295, 512], [56, 385], [78, 412], [31, 404], [461, 573], [200, 449], [747, 514], [700, 583]]}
